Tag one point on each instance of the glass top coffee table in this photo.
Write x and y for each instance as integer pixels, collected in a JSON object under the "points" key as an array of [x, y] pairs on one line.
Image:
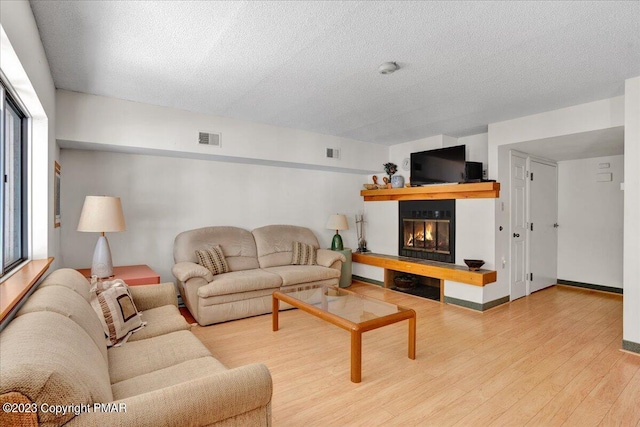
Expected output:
{"points": [[354, 312]]}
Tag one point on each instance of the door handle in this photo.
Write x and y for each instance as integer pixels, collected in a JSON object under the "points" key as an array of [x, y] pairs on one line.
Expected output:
{"points": [[556, 225], [516, 235]]}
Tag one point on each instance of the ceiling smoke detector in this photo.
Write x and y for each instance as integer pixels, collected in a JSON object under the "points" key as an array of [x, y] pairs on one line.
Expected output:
{"points": [[388, 67]]}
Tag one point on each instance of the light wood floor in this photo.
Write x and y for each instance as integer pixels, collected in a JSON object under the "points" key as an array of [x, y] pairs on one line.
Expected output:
{"points": [[549, 359]]}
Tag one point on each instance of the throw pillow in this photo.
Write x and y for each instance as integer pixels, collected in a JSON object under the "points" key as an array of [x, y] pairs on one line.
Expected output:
{"points": [[303, 254], [114, 305], [213, 259]]}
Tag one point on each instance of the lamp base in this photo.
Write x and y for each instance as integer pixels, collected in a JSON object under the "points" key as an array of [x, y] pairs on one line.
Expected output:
{"points": [[102, 266], [336, 243]]}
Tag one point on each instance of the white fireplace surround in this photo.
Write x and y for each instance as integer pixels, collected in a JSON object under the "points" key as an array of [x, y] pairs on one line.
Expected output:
{"points": [[474, 239]]}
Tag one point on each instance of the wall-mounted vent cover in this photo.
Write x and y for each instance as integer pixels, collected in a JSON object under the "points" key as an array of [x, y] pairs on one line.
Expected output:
{"points": [[333, 153], [207, 138]]}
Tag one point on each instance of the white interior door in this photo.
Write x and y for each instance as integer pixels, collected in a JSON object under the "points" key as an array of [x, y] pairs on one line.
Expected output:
{"points": [[518, 226], [543, 216]]}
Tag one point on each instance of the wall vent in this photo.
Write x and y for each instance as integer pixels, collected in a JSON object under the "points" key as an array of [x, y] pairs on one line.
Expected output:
{"points": [[207, 138], [333, 153]]}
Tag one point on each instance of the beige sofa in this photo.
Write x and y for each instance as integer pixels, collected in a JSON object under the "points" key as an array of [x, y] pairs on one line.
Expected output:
{"points": [[259, 263], [53, 358]]}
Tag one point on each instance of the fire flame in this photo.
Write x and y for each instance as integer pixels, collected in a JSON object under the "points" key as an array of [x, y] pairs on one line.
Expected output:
{"points": [[421, 236]]}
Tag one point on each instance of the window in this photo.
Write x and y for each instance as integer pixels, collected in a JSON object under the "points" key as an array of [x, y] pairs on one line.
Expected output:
{"points": [[13, 191]]}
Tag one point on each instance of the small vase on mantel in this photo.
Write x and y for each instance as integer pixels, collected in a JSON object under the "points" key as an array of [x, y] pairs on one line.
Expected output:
{"points": [[397, 181]]}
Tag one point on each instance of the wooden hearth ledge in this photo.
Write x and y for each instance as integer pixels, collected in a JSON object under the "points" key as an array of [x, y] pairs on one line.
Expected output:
{"points": [[478, 190], [438, 270]]}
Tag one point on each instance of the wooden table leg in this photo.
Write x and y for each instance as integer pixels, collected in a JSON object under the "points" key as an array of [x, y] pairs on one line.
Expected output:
{"points": [[274, 315], [356, 356], [412, 337]]}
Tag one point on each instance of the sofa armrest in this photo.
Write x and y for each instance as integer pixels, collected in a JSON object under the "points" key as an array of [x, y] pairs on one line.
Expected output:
{"points": [[151, 296], [185, 270], [200, 402], [327, 258]]}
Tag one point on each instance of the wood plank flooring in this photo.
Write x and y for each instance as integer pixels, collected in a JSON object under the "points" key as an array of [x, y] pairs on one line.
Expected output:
{"points": [[549, 359]]}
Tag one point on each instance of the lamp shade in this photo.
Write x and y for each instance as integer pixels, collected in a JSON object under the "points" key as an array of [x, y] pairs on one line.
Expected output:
{"points": [[101, 214], [338, 222]]}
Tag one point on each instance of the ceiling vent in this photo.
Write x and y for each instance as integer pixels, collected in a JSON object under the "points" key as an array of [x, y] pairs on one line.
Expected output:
{"points": [[207, 138], [333, 153]]}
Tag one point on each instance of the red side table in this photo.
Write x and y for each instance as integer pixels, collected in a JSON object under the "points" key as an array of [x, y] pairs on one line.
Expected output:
{"points": [[131, 274]]}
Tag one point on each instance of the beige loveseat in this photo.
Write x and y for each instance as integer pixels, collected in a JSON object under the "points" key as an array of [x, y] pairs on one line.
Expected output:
{"points": [[259, 263], [53, 358]]}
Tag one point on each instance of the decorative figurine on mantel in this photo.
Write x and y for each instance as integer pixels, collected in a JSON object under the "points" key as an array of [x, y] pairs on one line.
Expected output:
{"points": [[394, 181], [375, 182], [362, 243], [390, 169]]}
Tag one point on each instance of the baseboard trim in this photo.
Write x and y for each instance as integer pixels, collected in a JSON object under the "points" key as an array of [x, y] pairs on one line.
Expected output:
{"points": [[475, 305], [367, 280], [631, 346], [590, 286]]}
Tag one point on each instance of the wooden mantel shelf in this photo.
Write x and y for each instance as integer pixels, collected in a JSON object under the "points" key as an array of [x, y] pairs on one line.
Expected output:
{"points": [[478, 190], [438, 270]]}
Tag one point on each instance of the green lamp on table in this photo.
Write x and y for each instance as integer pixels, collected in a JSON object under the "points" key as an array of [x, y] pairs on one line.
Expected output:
{"points": [[337, 222]]}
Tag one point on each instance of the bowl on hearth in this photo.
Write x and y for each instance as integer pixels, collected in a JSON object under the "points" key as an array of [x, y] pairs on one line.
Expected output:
{"points": [[474, 264]]}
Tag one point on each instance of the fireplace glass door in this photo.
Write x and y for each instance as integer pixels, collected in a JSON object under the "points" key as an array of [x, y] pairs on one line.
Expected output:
{"points": [[430, 235]]}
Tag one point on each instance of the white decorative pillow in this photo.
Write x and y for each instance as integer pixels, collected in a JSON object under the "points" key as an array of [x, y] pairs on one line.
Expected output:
{"points": [[116, 310], [303, 254], [213, 259]]}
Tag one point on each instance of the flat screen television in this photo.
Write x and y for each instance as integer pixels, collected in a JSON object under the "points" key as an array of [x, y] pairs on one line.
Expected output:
{"points": [[442, 165]]}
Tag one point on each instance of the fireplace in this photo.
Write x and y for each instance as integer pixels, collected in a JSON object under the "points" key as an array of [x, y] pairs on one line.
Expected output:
{"points": [[427, 229]]}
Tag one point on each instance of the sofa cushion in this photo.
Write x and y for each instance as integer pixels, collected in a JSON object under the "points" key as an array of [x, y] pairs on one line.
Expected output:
{"points": [[237, 244], [70, 304], [212, 259], [240, 296], [69, 278], [116, 310], [216, 313], [141, 357], [176, 374], [240, 281], [51, 359], [303, 254], [274, 243], [160, 321], [295, 274]]}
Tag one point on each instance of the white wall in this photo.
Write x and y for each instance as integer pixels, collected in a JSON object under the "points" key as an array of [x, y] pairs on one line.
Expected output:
{"points": [[477, 149], [603, 114], [25, 66], [163, 196], [474, 218], [505, 135], [591, 215], [89, 121], [631, 313], [304, 188]]}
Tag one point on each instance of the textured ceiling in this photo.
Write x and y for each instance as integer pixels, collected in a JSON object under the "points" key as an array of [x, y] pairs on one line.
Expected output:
{"points": [[313, 65]]}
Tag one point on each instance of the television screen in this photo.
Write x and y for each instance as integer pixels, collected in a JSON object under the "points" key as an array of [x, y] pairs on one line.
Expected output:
{"points": [[438, 166]]}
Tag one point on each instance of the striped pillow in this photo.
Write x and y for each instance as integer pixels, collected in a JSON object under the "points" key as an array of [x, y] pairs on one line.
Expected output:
{"points": [[213, 260], [303, 254]]}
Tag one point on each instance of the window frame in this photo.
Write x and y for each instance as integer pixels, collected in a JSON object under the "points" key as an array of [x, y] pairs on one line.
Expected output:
{"points": [[8, 99]]}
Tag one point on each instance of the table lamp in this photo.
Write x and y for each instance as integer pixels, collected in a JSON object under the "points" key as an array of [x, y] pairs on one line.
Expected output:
{"points": [[101, 214], [337, 222]]}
